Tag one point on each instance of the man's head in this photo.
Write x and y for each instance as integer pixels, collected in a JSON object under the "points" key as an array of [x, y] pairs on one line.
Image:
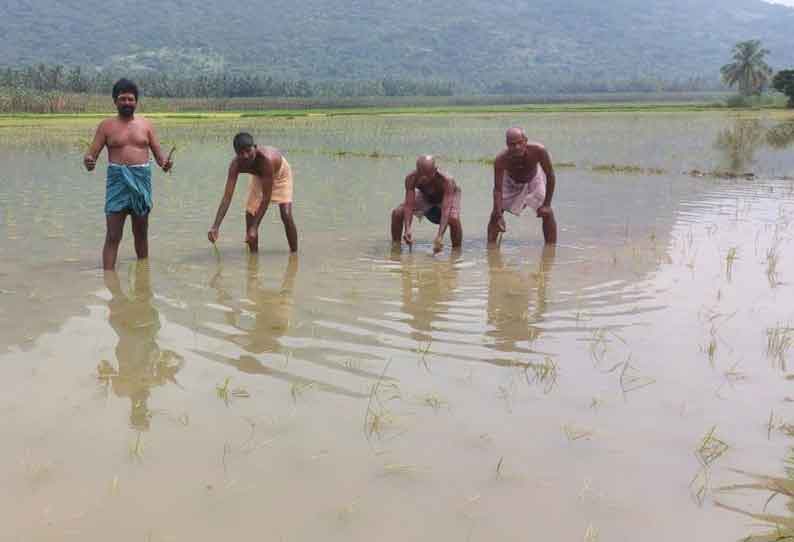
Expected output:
{"points": [[125, 96], [426, 167], [244, 147], [516, 141]]}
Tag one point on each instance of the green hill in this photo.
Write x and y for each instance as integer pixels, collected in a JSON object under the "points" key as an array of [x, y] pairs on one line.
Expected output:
{"points": [[518, 46]]}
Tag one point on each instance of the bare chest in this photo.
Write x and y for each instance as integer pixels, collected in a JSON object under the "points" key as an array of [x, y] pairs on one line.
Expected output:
{"points": [[521, 169], [120, 136]]}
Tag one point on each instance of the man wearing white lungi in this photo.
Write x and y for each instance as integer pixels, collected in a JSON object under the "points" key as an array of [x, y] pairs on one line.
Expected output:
{"points": [[523, 178]]}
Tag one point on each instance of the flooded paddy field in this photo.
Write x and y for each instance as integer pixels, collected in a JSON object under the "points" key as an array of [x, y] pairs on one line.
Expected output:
{"points": [[636, 381]]}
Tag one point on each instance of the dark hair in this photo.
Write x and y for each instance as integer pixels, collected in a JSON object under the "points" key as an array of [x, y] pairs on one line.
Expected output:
{"points": [[242, 140], [125, 86]]}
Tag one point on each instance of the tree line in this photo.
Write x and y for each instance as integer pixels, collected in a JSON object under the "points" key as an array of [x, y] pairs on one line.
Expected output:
{"points": [[57, 78]]}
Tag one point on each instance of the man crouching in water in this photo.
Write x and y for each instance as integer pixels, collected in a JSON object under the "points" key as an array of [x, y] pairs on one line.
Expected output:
{"points": [[271, 182], [433, 195], [129, 175], [523, 177]]}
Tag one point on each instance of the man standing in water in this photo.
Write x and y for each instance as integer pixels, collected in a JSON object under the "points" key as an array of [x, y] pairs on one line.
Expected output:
{"points": [[129, 175], [431, 194], [271, 182], [519, 183]]}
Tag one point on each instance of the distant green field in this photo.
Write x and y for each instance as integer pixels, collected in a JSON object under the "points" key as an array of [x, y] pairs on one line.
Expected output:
{"points": [[457, 110]]}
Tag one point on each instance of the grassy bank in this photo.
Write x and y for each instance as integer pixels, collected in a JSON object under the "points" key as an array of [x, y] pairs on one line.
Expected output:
{"points": [[90, 107]]}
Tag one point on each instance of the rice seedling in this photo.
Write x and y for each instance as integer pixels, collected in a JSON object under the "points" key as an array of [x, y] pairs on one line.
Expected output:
{"points": [[223, 391], [544, 373], [298, 389], [433, 401], [779, 341], [631, 380], [771, 267], [700, 485], [392, 469], [573, 433], [378, 417], [783, 526], [710, 448], [730, 258]]}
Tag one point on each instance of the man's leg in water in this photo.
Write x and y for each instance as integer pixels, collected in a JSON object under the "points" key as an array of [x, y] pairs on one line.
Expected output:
{"points": [[140, 231], [494, 228], [397, 225], [455, 232], [289, 225], [115, 231], [253, 244]]}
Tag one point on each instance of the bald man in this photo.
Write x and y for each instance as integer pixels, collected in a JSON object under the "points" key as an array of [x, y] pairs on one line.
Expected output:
{"points": [[523, 178], [431, 194]]}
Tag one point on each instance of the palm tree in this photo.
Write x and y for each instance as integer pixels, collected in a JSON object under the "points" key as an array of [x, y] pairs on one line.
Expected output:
{"points": [[748, 69]]}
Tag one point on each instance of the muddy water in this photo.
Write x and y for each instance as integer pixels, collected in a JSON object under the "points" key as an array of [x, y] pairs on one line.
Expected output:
{"points": [[594, 391]]}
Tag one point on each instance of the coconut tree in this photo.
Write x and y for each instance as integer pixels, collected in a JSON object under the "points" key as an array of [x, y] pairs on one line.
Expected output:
{"points": [[748, 69]]}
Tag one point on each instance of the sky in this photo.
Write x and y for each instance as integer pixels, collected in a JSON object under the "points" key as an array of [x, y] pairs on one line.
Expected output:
{"points": [[784, 2]]}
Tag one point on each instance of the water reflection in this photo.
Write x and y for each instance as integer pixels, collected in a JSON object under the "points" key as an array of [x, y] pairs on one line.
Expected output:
{"points": [[740, 143], [142, 365], [517, 300], [781, 136], [258, 324], [427, 290], [269, 310]]}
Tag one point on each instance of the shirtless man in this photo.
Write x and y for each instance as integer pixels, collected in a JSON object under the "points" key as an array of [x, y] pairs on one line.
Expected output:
{"points": [[519, 183], [431, 194], [129, 175], [271, 182]]}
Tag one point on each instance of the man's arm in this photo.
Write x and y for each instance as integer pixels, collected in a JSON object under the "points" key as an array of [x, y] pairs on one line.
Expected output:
{"points": [[154, 144], [551, 181], [231, 182], [89, 160], [408, 208]]}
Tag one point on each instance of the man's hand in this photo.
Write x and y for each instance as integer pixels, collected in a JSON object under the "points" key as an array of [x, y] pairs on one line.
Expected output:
{"points": [[544, 211], [167, 165], [498, 220], [408, 238], [213, 235], [438, 244], [89, 162]]}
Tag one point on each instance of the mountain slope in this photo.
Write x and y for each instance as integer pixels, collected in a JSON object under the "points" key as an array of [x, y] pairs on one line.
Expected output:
{"points": [[476, 43]]}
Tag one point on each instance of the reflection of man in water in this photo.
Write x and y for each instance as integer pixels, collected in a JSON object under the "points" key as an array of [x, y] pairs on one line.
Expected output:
{"points": [[141, 363], [271, 308], [510, 295], [425, 289]]}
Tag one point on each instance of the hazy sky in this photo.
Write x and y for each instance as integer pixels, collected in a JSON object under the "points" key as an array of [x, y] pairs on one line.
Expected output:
{"points": [[784, 2]]}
